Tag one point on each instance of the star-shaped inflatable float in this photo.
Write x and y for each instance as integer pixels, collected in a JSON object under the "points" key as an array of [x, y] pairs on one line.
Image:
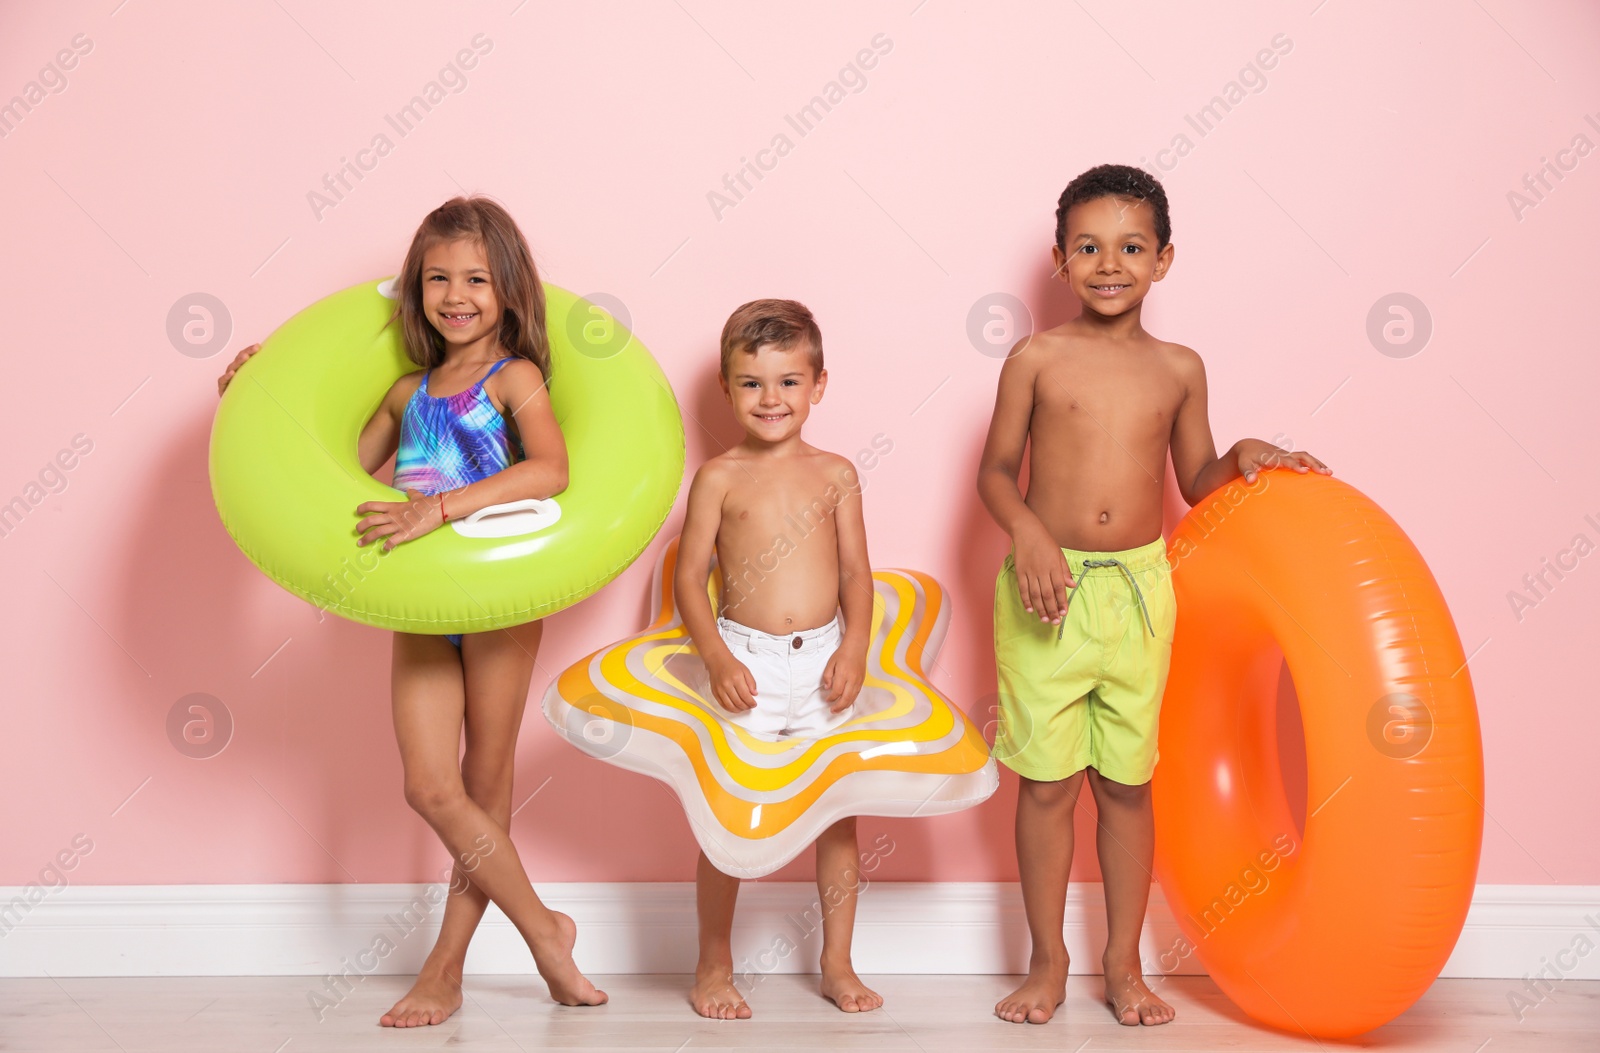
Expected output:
{"points": [[754, 803]]}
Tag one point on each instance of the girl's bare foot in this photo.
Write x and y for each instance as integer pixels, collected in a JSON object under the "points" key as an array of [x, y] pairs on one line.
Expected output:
{"points": [[1036, 1000], [1131, 999], [431, 1000], [554, 960], [842, 987], [714, 996]]}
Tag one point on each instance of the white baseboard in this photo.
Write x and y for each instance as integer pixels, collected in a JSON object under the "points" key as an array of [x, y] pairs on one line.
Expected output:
{"points": [[902, 927]]}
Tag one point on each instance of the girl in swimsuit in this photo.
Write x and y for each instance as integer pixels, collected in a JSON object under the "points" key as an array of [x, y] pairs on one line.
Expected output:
{"points": [[473, 428]]}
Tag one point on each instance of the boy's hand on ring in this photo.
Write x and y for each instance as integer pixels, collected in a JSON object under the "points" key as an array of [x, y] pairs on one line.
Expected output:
{"points": [[399, 521], [1257, 456], [233, 367]]}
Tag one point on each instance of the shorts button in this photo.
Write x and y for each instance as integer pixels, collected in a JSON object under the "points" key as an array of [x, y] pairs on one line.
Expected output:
{"points": [[797, 643]]}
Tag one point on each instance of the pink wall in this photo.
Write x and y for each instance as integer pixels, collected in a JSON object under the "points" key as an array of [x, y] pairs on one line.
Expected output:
{"points": [[1376, 157]]}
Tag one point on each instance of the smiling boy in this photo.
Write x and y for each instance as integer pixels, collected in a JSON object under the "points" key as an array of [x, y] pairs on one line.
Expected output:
{"points": [[1084, 609], [779, 663]]}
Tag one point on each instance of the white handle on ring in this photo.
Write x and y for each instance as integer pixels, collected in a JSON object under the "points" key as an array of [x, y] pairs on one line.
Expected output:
{"points": [[511, 519]]}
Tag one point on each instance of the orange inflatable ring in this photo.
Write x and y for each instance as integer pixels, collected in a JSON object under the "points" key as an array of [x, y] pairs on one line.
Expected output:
{"points": [[1337, 930]]}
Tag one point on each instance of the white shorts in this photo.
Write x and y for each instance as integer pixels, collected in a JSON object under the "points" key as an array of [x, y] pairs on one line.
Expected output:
{"points": [[788, 673]]}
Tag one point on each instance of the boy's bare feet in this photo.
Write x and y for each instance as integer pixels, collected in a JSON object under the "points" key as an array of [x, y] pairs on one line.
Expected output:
{"points": [[554, 960], [713, 994], [842, 987], [1036, 1000], [1131, 999], [431, 1000]]}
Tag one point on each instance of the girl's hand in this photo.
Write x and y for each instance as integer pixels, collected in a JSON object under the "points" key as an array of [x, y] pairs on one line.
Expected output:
{"points": [[731, 683], [1255, 456], [845, 673], [1043, 576], [233, 367], [399, 521]]}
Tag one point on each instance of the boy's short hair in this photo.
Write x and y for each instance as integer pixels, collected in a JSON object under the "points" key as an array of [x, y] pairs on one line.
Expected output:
{"points": [[1115, 181], [777, 322]]}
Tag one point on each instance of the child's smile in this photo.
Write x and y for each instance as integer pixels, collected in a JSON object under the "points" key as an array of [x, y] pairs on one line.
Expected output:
{"points": [[773, 421]]}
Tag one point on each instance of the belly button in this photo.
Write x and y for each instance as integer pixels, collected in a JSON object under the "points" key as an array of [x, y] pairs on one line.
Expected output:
{"points": [[1105, 517]]}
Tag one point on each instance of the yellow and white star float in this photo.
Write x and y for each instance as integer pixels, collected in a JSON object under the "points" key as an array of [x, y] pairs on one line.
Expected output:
{"points": [[754, 803]]}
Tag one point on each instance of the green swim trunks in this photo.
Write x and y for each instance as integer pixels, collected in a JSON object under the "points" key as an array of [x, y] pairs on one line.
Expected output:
{"points": [[1087, 692]]}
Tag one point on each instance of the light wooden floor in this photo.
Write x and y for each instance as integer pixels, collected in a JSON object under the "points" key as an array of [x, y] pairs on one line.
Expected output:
{"points": [[922, 1014]]}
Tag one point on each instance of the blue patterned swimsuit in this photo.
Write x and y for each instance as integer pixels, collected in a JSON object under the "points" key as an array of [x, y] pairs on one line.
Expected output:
{"points": [[446, 443]]}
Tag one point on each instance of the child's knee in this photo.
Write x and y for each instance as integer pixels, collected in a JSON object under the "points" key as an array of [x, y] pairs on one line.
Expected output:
{"points": [[487, 776], [430, 796], [1119, 792], [1059, 793]]}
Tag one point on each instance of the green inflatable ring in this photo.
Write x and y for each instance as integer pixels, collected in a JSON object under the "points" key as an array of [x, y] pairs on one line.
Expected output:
{"points": [[286, 479]]}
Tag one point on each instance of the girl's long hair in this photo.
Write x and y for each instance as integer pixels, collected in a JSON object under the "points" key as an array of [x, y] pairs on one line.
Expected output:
{"points": [[511, 269]]}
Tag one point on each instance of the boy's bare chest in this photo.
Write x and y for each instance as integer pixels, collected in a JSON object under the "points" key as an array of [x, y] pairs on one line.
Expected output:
{"points": [[1120, 397], [766, 500]]}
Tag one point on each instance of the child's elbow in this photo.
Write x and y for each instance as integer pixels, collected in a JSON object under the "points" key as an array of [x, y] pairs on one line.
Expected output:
{"points": [[552, 475], [991, 473]]}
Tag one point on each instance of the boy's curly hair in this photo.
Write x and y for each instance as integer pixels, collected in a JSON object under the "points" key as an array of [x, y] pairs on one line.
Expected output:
{"points": [[1115, 181]]}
